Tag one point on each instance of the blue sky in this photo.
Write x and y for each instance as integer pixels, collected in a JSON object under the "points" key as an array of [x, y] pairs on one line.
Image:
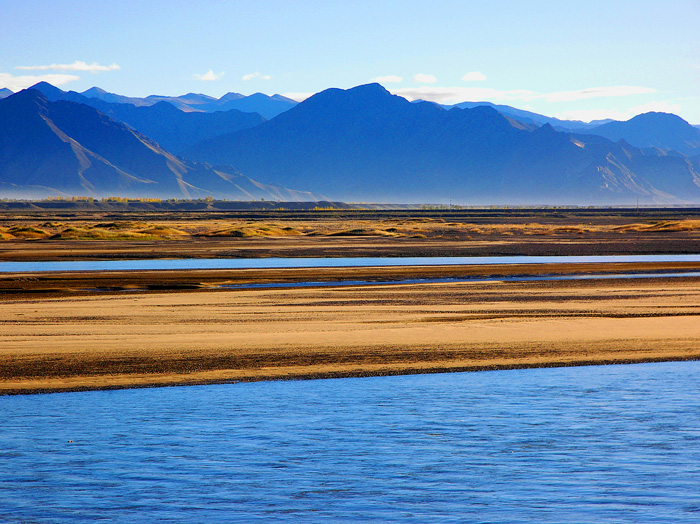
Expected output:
{"points": [[585, 60]]}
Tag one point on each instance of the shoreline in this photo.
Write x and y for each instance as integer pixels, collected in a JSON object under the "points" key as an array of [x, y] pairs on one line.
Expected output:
{"points": [[342, 374]]}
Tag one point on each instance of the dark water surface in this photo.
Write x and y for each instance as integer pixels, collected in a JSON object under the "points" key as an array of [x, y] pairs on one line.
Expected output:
{"points": [[587, 444], [274, 263]]}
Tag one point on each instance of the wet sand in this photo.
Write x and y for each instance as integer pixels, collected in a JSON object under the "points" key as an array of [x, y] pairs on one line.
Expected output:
{"points": [[76, 339]]}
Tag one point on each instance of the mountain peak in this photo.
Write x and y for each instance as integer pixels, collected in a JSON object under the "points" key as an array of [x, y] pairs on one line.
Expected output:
{"points": [[27, 96], [231, 96], [93, 91], [46, 88], [374, 89], [658, 116], [363, 97], [546, 129], [654, 129]]}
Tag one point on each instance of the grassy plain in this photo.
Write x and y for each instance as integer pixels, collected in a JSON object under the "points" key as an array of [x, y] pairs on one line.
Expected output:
{"points": [[72, 331]]}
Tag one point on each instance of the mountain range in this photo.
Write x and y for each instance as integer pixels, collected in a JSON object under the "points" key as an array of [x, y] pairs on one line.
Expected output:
{"points": [[177, 133], [267, 106], [366, 144], [658, 130], [66, 148], [361, 144], [528, 117], [172, 128]]}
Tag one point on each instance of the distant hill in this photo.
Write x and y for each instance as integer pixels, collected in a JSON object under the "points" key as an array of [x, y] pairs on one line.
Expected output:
{"points": [[364, 144], [528, 117], [172, 128], [661, 130], [66, 148], [176, 130], [267, 106], [4, 92], [54, 94], [101, 94]]}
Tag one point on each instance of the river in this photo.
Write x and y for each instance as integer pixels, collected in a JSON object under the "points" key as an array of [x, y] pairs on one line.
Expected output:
{"points": [[587, 444]]}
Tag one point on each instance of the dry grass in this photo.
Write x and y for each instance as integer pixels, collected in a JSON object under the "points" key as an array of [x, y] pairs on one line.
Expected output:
{"points": [[27, 232], [251, 230], [23, 228], [662, 226], [116, 233], [163, 232]]}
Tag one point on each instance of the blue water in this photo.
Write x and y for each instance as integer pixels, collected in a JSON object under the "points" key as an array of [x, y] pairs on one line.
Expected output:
{"points": [[265, 263], [595, 444]]}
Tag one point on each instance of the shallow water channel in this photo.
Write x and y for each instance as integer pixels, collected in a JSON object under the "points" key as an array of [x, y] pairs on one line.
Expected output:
{"points": [[279, 263]]}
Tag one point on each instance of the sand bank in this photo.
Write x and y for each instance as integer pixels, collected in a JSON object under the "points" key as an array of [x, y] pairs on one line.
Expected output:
{"points": [[73, 339]]}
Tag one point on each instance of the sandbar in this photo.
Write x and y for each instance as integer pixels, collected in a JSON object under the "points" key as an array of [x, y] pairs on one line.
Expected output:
{"points": [[70, 340]]}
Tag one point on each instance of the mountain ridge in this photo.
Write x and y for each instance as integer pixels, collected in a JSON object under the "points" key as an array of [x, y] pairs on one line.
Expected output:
{"points": [[654, 130], [163, 122], [66, 148], [267, 106], [365, 143]]}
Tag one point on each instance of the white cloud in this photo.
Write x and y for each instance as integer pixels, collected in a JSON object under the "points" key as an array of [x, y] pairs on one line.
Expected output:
{"points": [[17, 83], [299, 97], [596, 92], [75, 66], [388, 79], [425, 79], [209, 76], [474, 76], [453, 95], [587, 115], [252, 76]]}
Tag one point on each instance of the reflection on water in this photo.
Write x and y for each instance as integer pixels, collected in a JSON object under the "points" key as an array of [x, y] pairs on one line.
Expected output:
{"points": [[272, 263], [597, 444]]}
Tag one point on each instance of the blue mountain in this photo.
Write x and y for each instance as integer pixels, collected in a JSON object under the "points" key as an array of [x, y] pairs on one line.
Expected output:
{"points": [[365, 144], [172, 128], [67, 148], [659, 130], [527, 117], [267, 106]]}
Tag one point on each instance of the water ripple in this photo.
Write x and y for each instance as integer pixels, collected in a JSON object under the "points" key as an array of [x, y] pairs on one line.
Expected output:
{"points": [[597, 444]]}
